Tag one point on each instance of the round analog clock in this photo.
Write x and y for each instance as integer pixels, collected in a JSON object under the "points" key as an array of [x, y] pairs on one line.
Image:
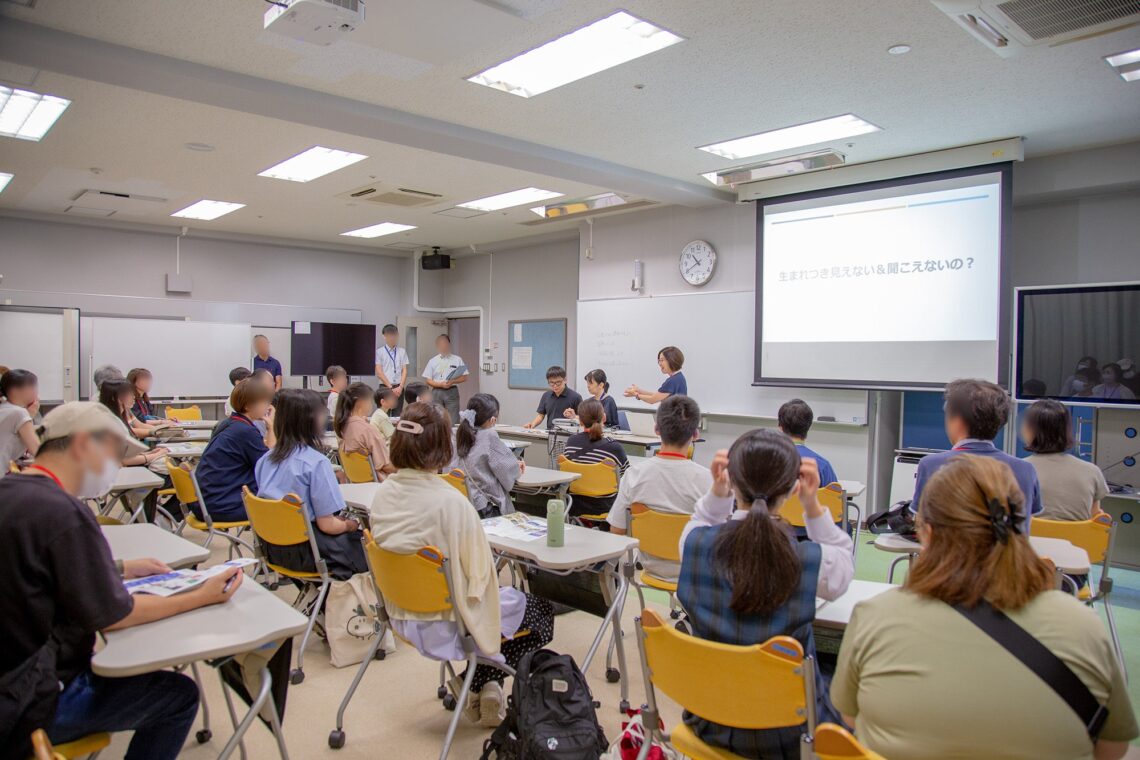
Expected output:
{"points": [[697, 263]]}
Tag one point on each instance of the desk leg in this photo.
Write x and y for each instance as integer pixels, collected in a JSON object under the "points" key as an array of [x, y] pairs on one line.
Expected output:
{"points": [[616, 602], [907, 558], [264, 697]]}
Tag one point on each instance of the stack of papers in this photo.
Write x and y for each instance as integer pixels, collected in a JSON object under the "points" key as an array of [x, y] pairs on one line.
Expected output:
{"points": [[517, 526], [177, 581]]}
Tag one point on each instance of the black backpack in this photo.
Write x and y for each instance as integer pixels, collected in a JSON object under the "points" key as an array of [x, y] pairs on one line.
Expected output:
{"points": [[550, 713], [898, 519]]}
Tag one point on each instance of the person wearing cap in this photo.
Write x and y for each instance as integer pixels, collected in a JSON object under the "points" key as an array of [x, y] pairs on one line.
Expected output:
{"points": [[59, 586]]}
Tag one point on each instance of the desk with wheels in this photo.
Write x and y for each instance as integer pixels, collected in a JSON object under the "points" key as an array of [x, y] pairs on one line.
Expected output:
{"points": [[252, 618], [592, 551], [541, 481], [126, 480], [148, 540]]}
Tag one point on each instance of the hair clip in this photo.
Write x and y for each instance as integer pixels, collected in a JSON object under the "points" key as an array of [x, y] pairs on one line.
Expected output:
{"points": [[1001, 520], [408, 426]]}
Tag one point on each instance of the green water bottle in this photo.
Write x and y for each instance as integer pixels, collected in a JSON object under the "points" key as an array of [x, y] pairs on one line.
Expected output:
{"points": [[555, 522]]}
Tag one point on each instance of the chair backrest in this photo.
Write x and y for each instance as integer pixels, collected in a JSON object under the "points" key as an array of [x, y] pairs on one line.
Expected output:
{"points": [[751, 687], [658, 533], [415, 582], [600, 479], [834, 742], [91, 744], [1091, 535], [457, 479], [357, 466], [276, 521], [185, 414], [183, 484], [831, 498]]}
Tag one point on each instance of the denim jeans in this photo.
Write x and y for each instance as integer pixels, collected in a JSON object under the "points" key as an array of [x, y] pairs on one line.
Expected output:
{"points": [[159, 707]]}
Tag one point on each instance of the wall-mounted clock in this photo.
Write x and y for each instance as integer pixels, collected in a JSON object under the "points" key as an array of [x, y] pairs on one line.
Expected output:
{"points": [[697, 262]]}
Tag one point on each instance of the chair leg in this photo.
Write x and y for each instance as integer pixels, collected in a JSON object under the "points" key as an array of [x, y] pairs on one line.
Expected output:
{"points": [[298, 673], [336, 738], [204, 734], [472, 661], [1111, 617]]}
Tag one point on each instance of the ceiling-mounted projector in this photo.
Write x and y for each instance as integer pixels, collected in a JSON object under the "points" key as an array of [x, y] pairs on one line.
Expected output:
{"points": [[320, 22]]}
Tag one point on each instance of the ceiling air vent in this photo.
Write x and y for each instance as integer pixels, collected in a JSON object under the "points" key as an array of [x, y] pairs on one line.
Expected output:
{"points": [[401, 196], [107, 202], [1009, 27]]}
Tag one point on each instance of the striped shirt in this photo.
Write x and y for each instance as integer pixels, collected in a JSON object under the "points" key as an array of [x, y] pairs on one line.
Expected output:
{"points": [[579, 448], [491, 469]]}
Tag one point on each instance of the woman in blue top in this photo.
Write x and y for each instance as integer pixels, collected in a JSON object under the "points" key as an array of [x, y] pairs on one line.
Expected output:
{"points": [[229, 459], [298, 465], [599, 387], [669, 359]]}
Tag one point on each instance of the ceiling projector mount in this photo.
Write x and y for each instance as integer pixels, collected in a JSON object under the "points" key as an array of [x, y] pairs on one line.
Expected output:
{"points": [[321, 22]]}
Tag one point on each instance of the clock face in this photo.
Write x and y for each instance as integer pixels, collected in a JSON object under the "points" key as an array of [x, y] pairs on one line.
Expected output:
{"points": [[698, 261]]}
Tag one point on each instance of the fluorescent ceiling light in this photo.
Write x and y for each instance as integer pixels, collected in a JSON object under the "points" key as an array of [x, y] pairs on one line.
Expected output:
{"points": [[579, 206], [606, 43], [315, 162], [28, 115], [1130, 76], [835, 128], [513, 198], [5, 178], [1123, 59], [207, 210], [379, 230]]}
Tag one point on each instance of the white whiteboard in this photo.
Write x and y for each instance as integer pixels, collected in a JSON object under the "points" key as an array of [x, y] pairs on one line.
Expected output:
{"points": [[34, 341], [187, 359], [715, 332]]}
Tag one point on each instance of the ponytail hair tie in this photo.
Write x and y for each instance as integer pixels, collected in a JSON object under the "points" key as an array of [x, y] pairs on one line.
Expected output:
{"points": [[759, 504], [407, 426], [468, 415]]}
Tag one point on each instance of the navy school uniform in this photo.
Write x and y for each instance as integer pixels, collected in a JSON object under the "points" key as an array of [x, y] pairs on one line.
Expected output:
{"points": [[1024, 472], [227, 465], [675, 384]]}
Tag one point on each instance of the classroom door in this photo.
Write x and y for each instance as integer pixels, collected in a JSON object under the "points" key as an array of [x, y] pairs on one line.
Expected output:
{"points": [[417, 335], [464, 332]]}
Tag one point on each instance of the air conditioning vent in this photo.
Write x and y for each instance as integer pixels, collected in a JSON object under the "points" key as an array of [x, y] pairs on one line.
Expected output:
{"points": [[401, 196], [111, 201], [1007, 28]]}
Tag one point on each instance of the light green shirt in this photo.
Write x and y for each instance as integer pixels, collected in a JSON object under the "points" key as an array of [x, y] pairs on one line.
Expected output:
{"points": [[382, 422]]}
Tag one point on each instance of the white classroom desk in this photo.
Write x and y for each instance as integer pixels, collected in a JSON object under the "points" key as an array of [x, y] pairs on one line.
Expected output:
{"points": [[645, 443], [1069, 558], [853, 488], [836, 614], [252, 618], [541, 480], [586, 550], [126, 480], [197, 424], [147, 540], [181, 450], [359, 495]]}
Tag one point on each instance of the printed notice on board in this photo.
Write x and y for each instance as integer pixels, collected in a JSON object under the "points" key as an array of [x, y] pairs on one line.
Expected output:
{"points": [[302, 328], [518, 332], [521, 357]]}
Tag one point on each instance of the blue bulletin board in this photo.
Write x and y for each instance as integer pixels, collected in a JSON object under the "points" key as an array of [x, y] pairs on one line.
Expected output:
{"points": [[533, 345]]}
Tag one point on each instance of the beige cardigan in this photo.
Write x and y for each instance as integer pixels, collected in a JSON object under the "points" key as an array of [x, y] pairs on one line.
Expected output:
{"points": [[413, 509]]}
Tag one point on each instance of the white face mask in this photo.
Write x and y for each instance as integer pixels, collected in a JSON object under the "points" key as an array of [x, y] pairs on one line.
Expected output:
{"points": [[96, 484], [1079, 385]]}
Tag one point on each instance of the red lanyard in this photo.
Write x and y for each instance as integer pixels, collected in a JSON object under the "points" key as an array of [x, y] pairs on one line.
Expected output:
{"points": [[241, 418], [47, 472], [671, 454]]}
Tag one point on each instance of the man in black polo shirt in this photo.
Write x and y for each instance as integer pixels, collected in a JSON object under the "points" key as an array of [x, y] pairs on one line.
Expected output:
{"points": [[556, 401], [59, 586]]}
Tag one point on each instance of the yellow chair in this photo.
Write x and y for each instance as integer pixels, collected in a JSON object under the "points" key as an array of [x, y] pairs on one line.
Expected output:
{"points": [[283, 522], [88, 746], [833, 499], [834, 742], [188, 493], [357, 466], [763, 686], [107, 520], [1097, 536], [659, 534], [457, 479], [597, 480], [185, 414], [419, 582]]}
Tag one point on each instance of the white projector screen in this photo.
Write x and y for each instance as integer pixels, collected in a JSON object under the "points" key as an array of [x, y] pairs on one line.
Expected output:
{"points": [[895, 284]]}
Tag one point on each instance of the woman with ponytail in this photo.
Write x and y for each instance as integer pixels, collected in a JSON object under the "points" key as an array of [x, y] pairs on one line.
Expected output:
{"points": [[599, 387], [491, 468], [745, 578], [591, 446], [354, 407], [919, 679]]}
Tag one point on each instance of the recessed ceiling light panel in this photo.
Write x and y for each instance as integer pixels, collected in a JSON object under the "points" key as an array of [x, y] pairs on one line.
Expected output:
{"points": [[1123, 59], [315, 162], [513, 198], [608, 42], [801, 135], [28, 115], [5, 178], [379, 230], [207, 210]]}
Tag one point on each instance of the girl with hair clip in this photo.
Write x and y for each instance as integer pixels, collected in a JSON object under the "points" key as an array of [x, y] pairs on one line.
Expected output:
{"points": [[491, 468], [591, 446], [744, 577], [919, 679], [416, 508], [354, 407], [599, 387]]}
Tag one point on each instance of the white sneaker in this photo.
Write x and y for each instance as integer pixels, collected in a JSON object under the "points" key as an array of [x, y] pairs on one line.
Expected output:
{"points": [[492, 709], [471, 708]]}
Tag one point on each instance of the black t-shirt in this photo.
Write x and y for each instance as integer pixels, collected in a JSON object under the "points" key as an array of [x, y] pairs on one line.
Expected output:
{"points": [[554, 407], [57, 577]]}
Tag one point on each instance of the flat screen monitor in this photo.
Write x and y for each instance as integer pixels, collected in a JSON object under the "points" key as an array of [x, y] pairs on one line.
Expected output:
{"points": [[315, 346]]}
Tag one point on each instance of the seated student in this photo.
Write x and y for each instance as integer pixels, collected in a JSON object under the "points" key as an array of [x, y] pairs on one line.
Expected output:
{"points": [[918, 679], [265, 377], [416, 508], [1070, 386], [20, 391], [591, 446], [1084, 380], [417, 392], [744, 577], [103, 373], [491, 468], [557, 401], [1071, 488], [338, 381], [1112, 384], [229, 459], [297, 465], [237, 374], [120, 394], [386, 400], [668, 481], [59, 586], [141, 379], [356, 433], [975, 412], [670, 360], [599, 387], [794, 419]]}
